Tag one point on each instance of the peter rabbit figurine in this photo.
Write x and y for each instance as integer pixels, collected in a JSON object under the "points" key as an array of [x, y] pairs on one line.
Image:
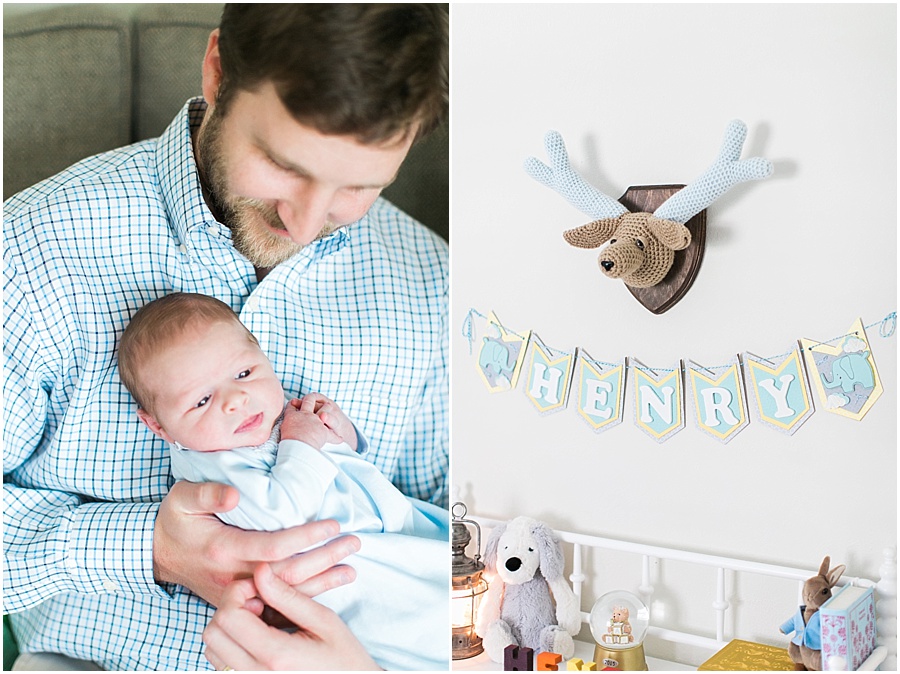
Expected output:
{"points": [[805, 648]]}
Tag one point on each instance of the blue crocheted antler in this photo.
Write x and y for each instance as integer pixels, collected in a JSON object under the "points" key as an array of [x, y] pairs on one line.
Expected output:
{"points": [[728, 170], [563, 179]]}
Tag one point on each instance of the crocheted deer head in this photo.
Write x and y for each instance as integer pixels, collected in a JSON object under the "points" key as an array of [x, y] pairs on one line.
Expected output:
{"points": [[642, 245]]}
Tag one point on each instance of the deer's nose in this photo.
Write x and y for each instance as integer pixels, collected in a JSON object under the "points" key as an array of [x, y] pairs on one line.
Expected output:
{"points": [[513, 564], [607, 264]]}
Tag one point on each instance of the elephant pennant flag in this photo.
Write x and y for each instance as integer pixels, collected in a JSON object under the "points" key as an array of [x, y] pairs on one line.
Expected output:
{"points": [[780, 390], [844, 375], [500, 356]]}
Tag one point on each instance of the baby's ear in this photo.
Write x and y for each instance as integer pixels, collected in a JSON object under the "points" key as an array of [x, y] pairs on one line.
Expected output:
{"points": [[151, 423]]}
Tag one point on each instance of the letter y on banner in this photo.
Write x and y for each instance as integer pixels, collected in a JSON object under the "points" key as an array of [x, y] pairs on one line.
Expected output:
{"points": [[658, 400], [719, 399], [547, 378], [779, 389]]}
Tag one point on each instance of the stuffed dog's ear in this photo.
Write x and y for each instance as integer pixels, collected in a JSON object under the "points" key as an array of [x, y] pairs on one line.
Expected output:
{"points": [[490, 549], [551, 555]]}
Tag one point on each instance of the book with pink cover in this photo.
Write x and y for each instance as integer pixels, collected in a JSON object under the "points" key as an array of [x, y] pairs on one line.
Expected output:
{"points": [[848, 628]]}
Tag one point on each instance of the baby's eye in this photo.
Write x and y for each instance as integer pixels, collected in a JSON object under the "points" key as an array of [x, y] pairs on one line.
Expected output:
{"points": [[203, 401], [242, 375]]}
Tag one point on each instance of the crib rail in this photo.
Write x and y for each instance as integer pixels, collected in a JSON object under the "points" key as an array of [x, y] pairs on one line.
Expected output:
{"points": [[886, 588]]}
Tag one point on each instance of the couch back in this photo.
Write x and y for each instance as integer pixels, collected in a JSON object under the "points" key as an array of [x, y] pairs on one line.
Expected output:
{"points": [[83, 79]]}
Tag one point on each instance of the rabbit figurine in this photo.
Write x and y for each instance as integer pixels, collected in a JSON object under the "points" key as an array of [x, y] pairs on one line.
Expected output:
{"points": [[805, 648]]}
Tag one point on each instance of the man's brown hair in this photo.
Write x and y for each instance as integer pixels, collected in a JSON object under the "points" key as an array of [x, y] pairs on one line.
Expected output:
{"points": [[157, 325], [372, 71]]}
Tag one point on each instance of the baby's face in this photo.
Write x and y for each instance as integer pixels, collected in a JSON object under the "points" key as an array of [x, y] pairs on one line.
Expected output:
{"points": [[214, 389]]}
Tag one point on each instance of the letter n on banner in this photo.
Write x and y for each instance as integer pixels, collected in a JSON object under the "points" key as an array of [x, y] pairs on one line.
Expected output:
{"points": [[548, 378], [658, 400], [600, 390], [719, 399], [779, 389]]}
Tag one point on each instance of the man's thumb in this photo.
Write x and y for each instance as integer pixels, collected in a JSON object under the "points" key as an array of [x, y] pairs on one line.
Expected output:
{"points": [[201, 498]]}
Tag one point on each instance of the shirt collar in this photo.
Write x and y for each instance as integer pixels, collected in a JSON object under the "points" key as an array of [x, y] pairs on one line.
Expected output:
{"points": [[177, 170]]}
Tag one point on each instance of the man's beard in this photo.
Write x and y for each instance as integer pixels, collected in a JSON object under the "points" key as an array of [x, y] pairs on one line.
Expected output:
{"points": [[248, 219]]}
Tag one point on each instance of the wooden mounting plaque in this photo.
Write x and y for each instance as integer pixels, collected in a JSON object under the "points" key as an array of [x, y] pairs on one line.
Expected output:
{"points": [[665, 294]]}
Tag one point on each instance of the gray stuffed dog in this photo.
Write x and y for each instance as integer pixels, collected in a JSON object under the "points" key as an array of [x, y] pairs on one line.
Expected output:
{"points": [[528, 601]]}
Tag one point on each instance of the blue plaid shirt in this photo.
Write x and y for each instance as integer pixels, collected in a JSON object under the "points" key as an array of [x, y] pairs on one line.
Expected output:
{"points": [[360, 316]]}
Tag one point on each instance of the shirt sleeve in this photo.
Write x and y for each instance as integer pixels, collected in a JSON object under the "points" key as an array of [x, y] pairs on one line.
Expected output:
{"points": [[54, 541], [289, 494], [424, 470]]}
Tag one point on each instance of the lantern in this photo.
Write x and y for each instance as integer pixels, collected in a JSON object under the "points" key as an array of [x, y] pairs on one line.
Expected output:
{"points": [[468, 587]]}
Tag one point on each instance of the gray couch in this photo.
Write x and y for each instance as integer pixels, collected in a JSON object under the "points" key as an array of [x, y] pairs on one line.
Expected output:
{"points": [[81, 79]]}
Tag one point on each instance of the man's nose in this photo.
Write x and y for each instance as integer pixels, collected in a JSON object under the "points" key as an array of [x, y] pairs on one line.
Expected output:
{"points": [[306, 214]]}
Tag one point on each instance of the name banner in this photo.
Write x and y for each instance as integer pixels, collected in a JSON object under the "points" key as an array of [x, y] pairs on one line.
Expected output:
{"points": [[779, 388]]}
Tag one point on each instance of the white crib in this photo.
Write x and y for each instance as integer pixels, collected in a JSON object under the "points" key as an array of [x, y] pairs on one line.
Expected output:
{"points": [[577, 546]]}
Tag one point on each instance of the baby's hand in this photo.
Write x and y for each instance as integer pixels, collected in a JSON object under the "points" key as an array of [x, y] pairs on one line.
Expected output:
{"points": [[303, 425], [331, 415]]}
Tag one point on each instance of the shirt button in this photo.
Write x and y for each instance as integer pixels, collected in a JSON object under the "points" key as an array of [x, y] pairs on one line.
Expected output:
{"points": [[183, 249], [110, 586], [252, 303]]}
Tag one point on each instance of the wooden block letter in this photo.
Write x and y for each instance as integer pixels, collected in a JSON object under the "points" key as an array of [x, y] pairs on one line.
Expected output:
{"points": [[548, 662], [518, 658], [579, 665]]}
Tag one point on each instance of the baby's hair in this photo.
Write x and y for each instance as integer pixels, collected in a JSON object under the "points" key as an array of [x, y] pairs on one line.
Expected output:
{"points": [[160, 323]]}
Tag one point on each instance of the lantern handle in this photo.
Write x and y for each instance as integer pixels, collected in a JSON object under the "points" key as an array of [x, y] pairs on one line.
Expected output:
{"points": [[461, 517]]}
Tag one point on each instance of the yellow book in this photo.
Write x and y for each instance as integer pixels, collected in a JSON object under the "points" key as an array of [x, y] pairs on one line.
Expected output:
{"points": [[746, 656]]}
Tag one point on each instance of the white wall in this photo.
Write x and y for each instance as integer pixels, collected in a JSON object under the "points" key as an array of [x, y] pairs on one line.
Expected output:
{"points": [[642, 94]]}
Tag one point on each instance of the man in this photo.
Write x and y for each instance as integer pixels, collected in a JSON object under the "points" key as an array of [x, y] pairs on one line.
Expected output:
{"points": [[308, 112]]}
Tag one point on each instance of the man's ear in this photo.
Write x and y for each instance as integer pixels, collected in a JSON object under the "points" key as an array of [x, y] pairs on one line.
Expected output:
{"points": [[151, 423], [212, 69]]}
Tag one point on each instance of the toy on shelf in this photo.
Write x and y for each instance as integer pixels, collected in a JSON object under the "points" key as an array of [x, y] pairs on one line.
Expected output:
{"points": [[805, 648], [618, 629], [619, 622], [528, 602]]}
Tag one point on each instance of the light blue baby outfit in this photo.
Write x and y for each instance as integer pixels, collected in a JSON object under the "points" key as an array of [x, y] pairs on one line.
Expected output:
{"points": [[399, 603]]}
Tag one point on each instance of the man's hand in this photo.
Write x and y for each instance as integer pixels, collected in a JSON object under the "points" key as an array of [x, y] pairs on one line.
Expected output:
{"points": [[301, 423], [331, 415], [237, 638], [193, 548]]}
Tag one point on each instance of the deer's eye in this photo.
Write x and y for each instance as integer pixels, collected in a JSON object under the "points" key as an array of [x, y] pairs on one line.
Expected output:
{"points": [[612, 240], [639, 244]]}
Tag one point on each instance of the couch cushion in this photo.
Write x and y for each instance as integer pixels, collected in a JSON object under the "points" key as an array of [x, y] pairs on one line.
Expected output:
{"points": [[66, 89], [170, 41]]}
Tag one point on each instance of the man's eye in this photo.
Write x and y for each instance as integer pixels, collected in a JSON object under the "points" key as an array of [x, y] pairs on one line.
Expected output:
{"points": [[242, 375], [203, 401]]}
